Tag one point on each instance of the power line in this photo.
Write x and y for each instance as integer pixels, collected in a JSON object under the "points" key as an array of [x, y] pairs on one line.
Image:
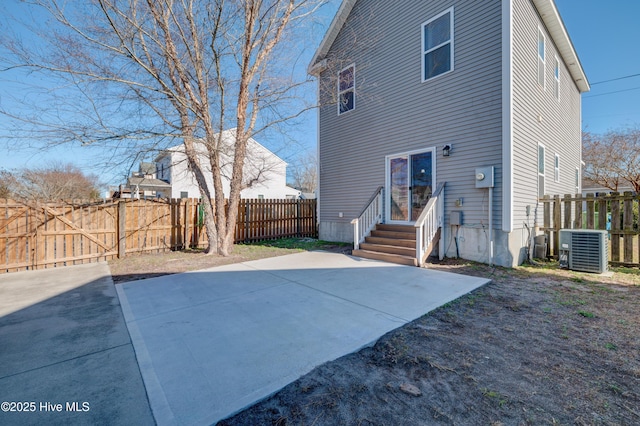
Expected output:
{"points": [[610, 93], [615, 79]]}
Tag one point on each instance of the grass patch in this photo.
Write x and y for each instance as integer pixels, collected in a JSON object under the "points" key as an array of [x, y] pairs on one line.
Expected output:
{"points": [[587, 314], [302, 244]]}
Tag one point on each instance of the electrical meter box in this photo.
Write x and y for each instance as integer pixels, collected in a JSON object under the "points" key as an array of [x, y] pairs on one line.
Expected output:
{"points": [[455, 218], [484, 177]]}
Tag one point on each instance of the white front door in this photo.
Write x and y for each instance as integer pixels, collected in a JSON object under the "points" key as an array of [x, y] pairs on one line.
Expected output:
{"points": [[410, 179]]}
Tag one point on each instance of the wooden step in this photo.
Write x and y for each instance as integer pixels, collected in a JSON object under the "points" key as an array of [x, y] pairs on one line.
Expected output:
{"points": [[391, 249], [394, 234], [396, 228], [386, 257], [391, 242]]}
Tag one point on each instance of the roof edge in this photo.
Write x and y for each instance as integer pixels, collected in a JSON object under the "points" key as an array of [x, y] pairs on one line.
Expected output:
{"points": [[315, 66], [553, 21], [546, 8]]}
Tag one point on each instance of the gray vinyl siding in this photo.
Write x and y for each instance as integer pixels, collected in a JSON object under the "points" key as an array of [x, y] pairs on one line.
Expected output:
{"points": [[396, 112], [559, 131]]}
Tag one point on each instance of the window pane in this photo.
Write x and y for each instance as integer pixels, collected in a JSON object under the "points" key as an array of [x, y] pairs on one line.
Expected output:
{"points": [[540, 159], [346, 101], [399, 188], [346, 79], [541, 72], [540, 45], [437, 32], [437, 61]]}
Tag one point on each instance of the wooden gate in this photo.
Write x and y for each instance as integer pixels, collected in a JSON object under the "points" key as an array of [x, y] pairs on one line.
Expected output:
{"points": [[37, 235]]}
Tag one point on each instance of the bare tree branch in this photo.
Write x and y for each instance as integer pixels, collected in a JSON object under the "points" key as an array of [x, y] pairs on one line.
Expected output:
{"points": [[139, 75], [612, 159]]}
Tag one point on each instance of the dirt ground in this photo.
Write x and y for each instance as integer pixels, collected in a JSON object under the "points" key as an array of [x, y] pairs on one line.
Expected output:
{"points": [[136, 267], [536, 346]]}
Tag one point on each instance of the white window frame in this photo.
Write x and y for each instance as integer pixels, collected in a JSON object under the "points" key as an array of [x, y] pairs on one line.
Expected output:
{"points": [[451, 42], [578, 180], [350, 89], [556, 168], [556, 78], [541, 58]]}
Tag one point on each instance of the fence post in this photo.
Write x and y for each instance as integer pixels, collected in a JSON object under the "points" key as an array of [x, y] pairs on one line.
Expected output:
{"points": [[615, 227], [122, 229], [590, 211], [567, 211], [247, 221], [578, 221], [628, 227], [557, 224], [187, 219], [298, 233], [602, 211], [547, 221]]}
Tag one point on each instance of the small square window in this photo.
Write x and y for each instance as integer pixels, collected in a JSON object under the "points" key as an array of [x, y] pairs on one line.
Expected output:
{"points": [[346, 89], [437, 45], [184, 194]]}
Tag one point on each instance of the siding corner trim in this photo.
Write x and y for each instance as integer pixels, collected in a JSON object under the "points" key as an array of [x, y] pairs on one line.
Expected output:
{"points": [[507, 115]]}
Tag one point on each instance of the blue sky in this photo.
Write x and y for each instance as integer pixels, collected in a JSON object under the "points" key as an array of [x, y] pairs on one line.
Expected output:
{"points": [[606, 36]]}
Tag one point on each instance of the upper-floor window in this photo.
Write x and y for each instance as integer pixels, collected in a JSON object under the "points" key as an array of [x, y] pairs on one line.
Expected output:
{"points": [[437, 45], [541, 183], [347, 89], [556, 78], [541, 48]]}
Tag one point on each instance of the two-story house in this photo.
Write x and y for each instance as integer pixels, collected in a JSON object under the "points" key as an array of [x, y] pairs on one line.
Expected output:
{"points": [[265, 174], [483, 97], [144, 184]]}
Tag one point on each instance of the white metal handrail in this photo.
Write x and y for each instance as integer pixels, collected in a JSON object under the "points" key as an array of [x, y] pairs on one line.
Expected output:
{"points": [[428, 223], [370, 216]]}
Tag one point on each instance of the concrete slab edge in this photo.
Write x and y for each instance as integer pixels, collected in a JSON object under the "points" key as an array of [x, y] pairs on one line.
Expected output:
{"points": [[160, 407]]}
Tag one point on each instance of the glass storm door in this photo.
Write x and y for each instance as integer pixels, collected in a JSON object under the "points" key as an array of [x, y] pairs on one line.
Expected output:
{"points": [[399, 188], [410, 185]]}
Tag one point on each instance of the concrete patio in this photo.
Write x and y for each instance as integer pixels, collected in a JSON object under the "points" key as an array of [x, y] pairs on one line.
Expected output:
{"points": [[210, 343]]}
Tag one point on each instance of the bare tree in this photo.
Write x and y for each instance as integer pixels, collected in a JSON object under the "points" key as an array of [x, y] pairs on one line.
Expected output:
{"points": [[5, 184], [304, 172], [612, 159], [134, 74], [52, 183]]}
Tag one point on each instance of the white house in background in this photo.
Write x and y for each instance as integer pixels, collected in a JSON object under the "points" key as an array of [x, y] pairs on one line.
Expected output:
{"points": [[265, 174], [143, 184]]}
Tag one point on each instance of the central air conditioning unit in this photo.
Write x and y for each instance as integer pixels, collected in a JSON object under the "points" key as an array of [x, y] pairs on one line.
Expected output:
{"points": [[584, 250]]}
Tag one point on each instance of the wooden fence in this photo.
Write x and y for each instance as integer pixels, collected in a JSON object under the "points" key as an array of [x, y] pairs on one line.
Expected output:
{"points": [[45, 235], [615, 212]]}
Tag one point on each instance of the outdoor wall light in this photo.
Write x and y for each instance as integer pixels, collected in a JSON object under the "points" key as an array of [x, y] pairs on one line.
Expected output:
{"points": [[446, 150]]}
